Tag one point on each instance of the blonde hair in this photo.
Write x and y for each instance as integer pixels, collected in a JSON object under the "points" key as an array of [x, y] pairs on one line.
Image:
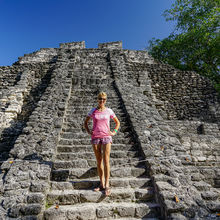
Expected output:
{"points": [[101, 94]]}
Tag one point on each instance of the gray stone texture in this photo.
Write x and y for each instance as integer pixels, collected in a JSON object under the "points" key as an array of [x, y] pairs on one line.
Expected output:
{"points": [[165, 160], [110, 45], [73, 45]]}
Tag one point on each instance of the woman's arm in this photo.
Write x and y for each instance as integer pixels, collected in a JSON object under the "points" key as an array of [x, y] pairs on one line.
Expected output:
{"points": [[117, 125], [86, 125]]}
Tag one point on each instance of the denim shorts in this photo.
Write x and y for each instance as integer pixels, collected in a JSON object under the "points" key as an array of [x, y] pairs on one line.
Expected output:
{"points": [[105, 140]]}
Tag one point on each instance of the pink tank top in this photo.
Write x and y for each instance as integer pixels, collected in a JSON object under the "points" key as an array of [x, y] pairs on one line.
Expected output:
{"points": [[101, 122]]}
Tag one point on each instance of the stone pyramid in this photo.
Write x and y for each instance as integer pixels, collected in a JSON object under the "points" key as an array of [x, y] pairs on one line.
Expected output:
{"points": [[165, 159]]}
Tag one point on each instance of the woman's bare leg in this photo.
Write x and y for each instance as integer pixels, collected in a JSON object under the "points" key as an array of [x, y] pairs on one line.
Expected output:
{"points": [[106, 158], [98, 154]]}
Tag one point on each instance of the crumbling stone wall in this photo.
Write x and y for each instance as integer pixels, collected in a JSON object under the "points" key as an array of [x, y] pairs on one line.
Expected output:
{"points": [[73, 45], [184, 165], [137, 57], [43, 55], [20, 100], [111, 45], [24, 194], [183, 94], [201, 141], [8, 77], [186, 95], [46, 119]]}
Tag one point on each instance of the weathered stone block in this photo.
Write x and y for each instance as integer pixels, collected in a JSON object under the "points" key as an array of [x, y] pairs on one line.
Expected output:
{"points": [[54, 214], [125, 211], [91, 197], [178, 216], [35, 198], [214, 206], [73, 45], [172, 206], [33, 209], [39, 186], [202, 186], [110, 45], [142, 211], [14, 211], [104, 212], [210, 195], [86, 213]]}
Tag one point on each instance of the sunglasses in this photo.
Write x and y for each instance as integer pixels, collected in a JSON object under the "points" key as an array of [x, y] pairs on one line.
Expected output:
{"points": [[102, 99]]}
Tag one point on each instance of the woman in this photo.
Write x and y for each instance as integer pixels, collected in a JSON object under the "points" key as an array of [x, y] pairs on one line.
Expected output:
{"points": [[102, 139]]}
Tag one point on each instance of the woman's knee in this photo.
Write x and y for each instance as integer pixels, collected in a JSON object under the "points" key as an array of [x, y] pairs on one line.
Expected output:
{"points": [[106, 157], [99, 160], [107, 150]]}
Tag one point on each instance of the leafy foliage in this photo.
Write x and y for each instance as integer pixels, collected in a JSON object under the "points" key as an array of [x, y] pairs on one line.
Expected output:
{"points": [[195, 42]]}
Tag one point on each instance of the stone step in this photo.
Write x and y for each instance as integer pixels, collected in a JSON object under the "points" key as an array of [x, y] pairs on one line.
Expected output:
{"points": [[65, 163], [87, 105], [129, 182], [72, 111], [70, 197], [123, 130], [79, 92], [88, 92], [91, 155], [92, 101], [92, 98], [78, 122], [70, 129], [122, 137], [81, 115], [70, 134], [116, 106], [79, 112], [88, 148], [84, 113], [206, 164], [111, 96], [85, 173], [72, 122], [92, 211], [87, 141], [134, 218], [81, 118], [127, 218]]}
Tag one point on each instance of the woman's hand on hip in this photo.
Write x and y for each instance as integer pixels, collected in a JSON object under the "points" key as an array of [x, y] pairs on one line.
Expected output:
{"points": [[112, 133]]}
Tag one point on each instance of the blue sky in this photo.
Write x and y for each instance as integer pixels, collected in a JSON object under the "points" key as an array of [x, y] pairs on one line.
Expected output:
{"points": [[28, 25]]}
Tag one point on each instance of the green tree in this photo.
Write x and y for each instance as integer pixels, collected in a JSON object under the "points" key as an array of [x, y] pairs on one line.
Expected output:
{"points": [[195, 42]]}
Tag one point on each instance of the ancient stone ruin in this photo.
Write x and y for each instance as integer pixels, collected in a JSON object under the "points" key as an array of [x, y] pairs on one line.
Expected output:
{"points": [[165, 160]]}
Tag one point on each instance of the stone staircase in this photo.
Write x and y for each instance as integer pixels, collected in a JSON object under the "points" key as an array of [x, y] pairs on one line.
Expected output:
{"points": [[164, 159], [19, 101], [74, 172]]}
